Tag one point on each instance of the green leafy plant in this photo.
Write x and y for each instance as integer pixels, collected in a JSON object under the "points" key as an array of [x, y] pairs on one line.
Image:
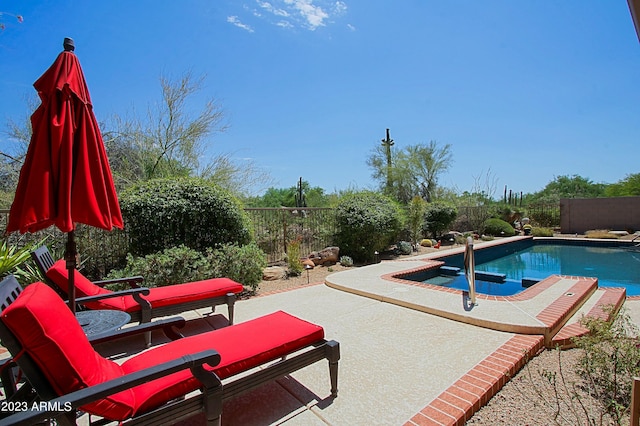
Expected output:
{"points": [[166, 213], [346, 261], [611, 360], [243, 264], [182, 264], [171, 266], [417, 210], [498, 228], [17, 261], [367, 222], [608, 360], [404, 247], [293, 258], [438, 217], [542, 232]]}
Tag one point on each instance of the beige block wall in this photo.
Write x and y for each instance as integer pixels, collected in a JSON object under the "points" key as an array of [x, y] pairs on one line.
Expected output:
{"points": [[578, 215]]}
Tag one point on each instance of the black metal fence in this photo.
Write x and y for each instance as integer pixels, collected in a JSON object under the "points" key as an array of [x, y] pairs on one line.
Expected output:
{"points": [[313, 228], [274, 228], [547, 215]]}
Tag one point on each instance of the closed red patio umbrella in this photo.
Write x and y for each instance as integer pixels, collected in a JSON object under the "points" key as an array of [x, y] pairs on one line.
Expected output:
{"points": [[66, 177]]}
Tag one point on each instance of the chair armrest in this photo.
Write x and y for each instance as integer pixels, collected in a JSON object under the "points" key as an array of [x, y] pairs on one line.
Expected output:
{"points": [[72, 401], [132, 281], [167, 326], [137, 293], [132, 291]]}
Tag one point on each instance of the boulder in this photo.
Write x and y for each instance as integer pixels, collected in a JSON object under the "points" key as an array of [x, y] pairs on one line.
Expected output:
{"points": [[329, 255], [273, 273]]}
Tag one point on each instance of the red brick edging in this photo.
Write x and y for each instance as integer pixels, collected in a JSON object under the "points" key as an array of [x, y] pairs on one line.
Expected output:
{"points": [[467, 395]]}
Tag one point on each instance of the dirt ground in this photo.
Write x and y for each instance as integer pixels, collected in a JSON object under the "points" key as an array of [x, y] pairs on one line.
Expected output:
{"points": [[319, 273]]}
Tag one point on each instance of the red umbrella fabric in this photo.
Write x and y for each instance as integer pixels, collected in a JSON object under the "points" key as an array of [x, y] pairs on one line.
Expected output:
{"points": [[66, 177]]}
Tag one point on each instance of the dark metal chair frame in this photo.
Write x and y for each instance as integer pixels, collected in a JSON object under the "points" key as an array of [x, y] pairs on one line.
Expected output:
{"points": [[43, 259], [208, 401]]}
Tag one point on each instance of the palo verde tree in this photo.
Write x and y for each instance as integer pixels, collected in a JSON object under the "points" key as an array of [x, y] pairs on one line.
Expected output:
{"points": [[415, 170], [170, 141]]}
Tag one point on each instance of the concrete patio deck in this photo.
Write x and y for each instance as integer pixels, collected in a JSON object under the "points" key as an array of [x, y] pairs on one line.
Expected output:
{"points": [[394, 361]]}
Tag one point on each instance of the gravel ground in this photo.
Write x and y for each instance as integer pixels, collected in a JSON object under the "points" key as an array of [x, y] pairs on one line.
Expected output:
{"points": [[530, 398], [316, 275]]}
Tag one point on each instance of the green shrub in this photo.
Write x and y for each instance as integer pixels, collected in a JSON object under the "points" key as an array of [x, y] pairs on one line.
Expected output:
{"points": [[367, 222], [498, 228], [165, 213], [610, 360], [293, 259], [242, 264], [182, 264], [346, 261], [171, 266], [542, 232], [438, 217], [416, 212], [404, 247]]}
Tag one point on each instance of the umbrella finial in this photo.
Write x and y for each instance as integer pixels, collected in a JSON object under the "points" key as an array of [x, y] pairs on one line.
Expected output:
{"points": [[68, 44]]}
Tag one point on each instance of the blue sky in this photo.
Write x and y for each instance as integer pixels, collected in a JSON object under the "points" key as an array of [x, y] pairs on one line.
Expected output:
{"points": [[521, 90]]}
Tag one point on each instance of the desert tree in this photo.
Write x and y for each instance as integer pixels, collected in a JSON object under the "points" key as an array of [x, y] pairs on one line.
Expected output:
{"points": [[415, 170], [172, 140]]}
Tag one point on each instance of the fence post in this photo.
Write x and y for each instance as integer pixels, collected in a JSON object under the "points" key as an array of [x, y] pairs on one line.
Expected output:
{"points": [[284, 230], [635, 402]]}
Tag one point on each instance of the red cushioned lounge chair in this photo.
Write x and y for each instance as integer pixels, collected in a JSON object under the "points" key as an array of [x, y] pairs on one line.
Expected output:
{"points": [[142, 304], [48, 344]]}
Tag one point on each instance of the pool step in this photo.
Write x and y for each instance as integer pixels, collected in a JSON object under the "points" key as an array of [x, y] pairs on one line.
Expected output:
{"points": [[593, 307]]}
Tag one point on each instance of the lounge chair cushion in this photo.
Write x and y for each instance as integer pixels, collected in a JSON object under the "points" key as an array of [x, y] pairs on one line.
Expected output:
{"points": [[158, 296], [51, 335]]}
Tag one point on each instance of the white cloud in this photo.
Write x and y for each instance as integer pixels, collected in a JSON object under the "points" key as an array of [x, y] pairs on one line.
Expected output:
{"points": [[285, 24], [314, 15], [235, 21], [351, 27], [269, 7], [309, 14], [340, 8]]}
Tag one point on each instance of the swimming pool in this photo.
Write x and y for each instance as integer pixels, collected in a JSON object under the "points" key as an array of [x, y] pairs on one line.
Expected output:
{"points": [[614, 265]]}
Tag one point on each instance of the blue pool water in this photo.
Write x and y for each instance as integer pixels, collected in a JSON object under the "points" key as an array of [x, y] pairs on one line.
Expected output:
{"points": [[613, 266]]}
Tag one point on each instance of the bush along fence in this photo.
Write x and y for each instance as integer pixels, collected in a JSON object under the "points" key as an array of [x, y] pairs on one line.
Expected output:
{"points": [[274, 228]]}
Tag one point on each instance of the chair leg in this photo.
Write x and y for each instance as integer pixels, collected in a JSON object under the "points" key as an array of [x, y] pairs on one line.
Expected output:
{"points": [[333, 355], [231, 301]]}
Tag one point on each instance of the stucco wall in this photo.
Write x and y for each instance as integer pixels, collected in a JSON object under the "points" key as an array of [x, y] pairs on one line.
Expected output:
{"points": [[578, 215]]}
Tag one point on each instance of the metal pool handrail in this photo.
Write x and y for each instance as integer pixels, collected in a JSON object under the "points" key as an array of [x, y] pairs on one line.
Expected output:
{"points": [[470, 269]]}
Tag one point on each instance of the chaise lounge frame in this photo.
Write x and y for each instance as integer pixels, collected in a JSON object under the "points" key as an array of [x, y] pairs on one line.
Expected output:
{"points": [[44, 261], [209, 401]]}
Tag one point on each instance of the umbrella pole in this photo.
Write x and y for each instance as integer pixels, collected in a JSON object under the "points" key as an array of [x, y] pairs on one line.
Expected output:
{"points": [[70, 257]]}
